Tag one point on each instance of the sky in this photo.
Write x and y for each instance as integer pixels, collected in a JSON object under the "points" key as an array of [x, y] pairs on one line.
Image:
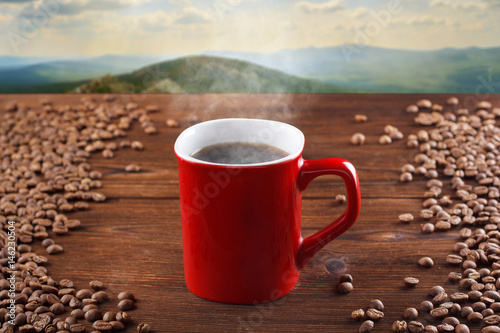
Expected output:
{"points": [[68, 28]]}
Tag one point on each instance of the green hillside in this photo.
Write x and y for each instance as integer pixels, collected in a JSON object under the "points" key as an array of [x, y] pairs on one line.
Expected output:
{"points": [[208, 74]]}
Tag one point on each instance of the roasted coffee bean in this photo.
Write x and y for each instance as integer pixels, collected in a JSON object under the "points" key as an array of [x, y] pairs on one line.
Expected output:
{"points": [[459, 297], [376, 304], [96, 285], [430, 329], [116, 325], [89, 307], [360, 118], [426, 306], [365, 327], [57, 308], [454, 259], [410, 313], [343, 288], [441, 298], [445, 328], [426, 262], [451, 321], [358, 139], [111, 316], [128, 304], [77, 328], [400, 326], [357, 315], [374, 314], [342, 278], [172, 123], [137, 145], [491, 329], [100, 296], [461, 328], [428, 228], [415, 327], [475, 317], [407, 217], [93, 315], [411, 281], [84, 293], [78, 313], [132, 168], [123, 317], [492, 320], [55, 249], [439, 312], [129, 295], [454, 277], [102, 326]]}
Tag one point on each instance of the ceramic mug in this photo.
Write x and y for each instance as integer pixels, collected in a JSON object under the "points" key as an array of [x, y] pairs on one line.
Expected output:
{"points": [[241, 223]]}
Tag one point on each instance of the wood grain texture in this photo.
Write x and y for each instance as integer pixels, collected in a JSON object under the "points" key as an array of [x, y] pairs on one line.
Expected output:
{"points": [[133, 241]]}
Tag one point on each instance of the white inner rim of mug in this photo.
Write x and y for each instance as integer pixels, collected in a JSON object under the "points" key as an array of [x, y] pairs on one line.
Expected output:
{"points": [[230, 130]]}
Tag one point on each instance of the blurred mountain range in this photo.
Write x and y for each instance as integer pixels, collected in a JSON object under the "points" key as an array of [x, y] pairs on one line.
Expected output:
{"points": [[345, 68]]}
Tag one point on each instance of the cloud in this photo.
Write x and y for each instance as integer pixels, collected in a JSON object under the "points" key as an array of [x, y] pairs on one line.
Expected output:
{"points": [[359, 12], [192, 15], [493, 3], [16, 1], [157, 21], [427, 21], [309, 7], [466, 6]]}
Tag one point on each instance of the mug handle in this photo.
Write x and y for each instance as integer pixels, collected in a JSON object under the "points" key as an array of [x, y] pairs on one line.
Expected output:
{"points": [[329, 166]]}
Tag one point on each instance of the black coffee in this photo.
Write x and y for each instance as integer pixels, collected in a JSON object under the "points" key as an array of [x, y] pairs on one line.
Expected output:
{"points": [[239, 153]]}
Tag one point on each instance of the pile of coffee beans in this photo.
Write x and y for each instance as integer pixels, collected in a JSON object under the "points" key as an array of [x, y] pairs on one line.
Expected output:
{"points": [[44, 176], [374, 313], [460, 146]]}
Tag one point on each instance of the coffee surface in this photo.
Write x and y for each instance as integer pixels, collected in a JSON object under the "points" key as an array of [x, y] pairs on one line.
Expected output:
{"points": [[239, 153]]}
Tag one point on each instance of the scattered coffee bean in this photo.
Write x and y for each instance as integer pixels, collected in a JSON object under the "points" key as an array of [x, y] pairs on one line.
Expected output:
{"points": [[358, 139], [428, 228], [406, 177], [100, 296], [360, 118], [126, 295], [143, 328], [358, 314], [132, 168], [410, 314], [345, 278], [411, 281], [407, 217], [412, 108], [343, 288], [461, 328], [415, 327], [55, 249], [137, 145], [340, 199], [172, 123], [376, 304], [426, 262], [439, 312], [93, 315], [366, 326], [374, 314], [96, 285], [400, 326], [385, 139]]}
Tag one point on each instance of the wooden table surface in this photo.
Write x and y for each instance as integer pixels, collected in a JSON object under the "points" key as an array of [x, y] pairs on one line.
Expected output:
{"points": [[133, 240]]}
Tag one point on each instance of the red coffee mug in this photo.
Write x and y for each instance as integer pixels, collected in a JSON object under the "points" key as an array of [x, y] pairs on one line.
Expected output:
{"points": [[241, 224]]}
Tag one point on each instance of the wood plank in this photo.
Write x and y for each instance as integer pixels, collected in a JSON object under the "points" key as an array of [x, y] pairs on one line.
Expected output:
{"points": [[133, 241]]}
